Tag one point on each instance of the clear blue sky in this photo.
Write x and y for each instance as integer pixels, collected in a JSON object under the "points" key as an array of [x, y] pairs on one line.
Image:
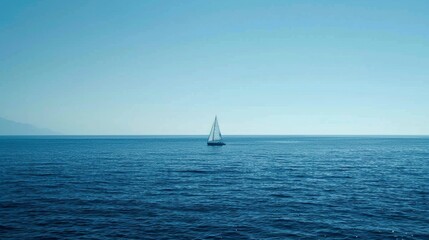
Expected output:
{"points": [[264, 67]]}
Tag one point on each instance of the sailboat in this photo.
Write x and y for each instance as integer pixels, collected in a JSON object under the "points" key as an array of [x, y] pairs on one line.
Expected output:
{"points": [[215, 137]]}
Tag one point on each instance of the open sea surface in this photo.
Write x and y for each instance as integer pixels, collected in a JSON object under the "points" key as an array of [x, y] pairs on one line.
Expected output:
{"points": [[255, 187]]}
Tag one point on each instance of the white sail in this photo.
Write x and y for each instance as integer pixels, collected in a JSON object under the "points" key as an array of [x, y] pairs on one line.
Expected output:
{"points": [[215, 135]]}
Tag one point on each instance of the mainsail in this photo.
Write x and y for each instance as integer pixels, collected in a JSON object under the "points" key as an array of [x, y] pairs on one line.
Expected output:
{"points": [[215, 135]]}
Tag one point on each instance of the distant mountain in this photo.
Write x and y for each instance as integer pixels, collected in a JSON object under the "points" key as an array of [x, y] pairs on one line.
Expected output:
{"points": [[8, 127]]}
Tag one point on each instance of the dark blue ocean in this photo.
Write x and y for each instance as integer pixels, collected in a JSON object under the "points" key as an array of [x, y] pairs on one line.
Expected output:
{"points": [[179, 188]]}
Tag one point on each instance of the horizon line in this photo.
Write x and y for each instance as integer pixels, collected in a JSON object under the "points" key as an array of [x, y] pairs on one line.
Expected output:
{"points": [[184, 135]]}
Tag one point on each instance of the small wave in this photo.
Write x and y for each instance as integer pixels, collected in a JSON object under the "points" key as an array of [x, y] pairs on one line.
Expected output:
{"points": [[195, 171], [6, 228]]}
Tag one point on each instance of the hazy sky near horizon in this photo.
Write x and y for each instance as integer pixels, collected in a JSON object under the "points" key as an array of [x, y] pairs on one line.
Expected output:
{"points": [[264, 67]]}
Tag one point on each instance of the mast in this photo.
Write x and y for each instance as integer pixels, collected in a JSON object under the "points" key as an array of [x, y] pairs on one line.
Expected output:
{"points": [[215, 127]]}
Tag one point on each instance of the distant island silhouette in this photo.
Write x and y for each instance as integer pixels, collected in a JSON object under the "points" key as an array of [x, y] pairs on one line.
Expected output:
{"points": [[9, 127]]}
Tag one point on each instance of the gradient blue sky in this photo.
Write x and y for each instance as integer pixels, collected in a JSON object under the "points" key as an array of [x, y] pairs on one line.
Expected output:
{"points": [[264, 67]]}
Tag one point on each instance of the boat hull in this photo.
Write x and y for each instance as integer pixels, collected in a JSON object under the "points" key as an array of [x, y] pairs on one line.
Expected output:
{"points": [[215, 143]]}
